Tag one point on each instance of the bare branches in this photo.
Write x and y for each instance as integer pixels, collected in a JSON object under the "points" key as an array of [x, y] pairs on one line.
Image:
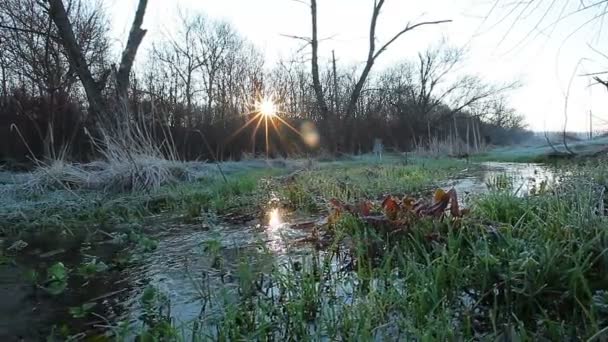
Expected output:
{"points": [[25, 30], [407, 29], [305, 39], [76, 57], [373, 54]]}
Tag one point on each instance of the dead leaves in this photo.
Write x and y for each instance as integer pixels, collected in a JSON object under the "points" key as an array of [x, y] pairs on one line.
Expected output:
{"points": [[396, 214]]}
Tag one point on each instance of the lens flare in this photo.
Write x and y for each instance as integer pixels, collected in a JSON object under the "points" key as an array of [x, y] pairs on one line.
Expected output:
{"points": [[309, 134]]}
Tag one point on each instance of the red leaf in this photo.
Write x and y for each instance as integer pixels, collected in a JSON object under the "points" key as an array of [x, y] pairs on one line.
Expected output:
{"points": [[365, 208], [391, 207]]}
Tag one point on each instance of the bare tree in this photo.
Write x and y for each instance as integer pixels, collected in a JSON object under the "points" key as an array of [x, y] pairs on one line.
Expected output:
{"points": [[79, 63], [33, 47], [373, 54]]}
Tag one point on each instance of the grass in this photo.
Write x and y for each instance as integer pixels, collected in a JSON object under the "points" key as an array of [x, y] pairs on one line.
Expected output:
{"points": [[74, 209], [519, 268], [65, 203], [363, 179]]}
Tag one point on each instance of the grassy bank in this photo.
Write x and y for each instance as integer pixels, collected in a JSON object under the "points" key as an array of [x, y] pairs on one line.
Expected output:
{"points": [[516, 268], [51, 198]]}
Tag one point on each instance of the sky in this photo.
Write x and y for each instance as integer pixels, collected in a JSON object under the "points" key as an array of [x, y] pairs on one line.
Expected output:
{"points": [[547, 60]]}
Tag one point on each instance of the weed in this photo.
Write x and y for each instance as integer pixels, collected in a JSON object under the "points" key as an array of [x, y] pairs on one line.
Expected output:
{"points": [[57, 279], [90, 268], [82, 310]]}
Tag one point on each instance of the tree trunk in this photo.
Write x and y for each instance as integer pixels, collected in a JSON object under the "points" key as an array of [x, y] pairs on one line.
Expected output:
{"points": [[315, 63], [468, 131], [475, 136], [76, 57], [136, 35]]}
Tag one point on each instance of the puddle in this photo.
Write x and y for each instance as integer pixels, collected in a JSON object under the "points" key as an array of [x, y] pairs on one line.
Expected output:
{"points": [[185, 264], [521, 179], [190, 261]]}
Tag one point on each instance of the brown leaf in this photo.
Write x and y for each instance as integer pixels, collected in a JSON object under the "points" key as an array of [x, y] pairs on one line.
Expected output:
{"points": [[337, 204], [408, 203], [391, 207], [454, 210], [439, 196], [365, 208]]}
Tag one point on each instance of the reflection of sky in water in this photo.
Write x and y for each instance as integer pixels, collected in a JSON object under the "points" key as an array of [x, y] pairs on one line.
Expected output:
{"points": [[524, 178]]}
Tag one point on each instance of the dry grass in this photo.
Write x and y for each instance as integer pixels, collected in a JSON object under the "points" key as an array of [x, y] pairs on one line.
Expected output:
{"points": [[131, 161]]}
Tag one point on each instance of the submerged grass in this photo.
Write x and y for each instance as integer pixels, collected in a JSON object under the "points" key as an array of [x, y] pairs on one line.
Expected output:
{"points": [[520, 268]]}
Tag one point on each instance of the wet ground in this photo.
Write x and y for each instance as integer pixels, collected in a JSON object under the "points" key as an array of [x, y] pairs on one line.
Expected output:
{"points": [[188, 262]]}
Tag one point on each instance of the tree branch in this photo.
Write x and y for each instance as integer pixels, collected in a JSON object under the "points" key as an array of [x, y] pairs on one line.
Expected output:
{"points": [[406, 29], [136, 35]]}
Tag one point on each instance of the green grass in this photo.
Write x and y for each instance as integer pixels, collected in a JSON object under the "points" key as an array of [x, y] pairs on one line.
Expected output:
{"points": [[519, 268], [247, 188], [355, 180]]}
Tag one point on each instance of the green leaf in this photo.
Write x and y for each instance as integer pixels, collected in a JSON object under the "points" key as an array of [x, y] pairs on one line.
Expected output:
{"points": [[57, 272], [56, 287], [81, 311]]}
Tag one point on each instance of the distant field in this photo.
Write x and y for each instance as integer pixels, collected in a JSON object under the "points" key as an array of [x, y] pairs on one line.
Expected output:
{"points": [[543, 152]]}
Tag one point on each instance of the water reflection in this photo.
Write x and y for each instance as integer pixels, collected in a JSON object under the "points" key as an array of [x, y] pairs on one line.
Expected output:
{"points": [[521, 179], [274, 221], [275, 231]]}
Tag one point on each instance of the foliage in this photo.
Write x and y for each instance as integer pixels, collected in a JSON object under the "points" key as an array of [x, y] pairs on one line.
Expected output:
{"points": [[57, 279], [82, 310], [90, 268]]}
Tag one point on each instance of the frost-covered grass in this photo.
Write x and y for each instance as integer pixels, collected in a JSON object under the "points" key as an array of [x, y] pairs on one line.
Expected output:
{"points": [[543, 153], [64, 195]]}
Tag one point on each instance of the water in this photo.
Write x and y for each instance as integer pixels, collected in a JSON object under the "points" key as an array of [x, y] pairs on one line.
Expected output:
{"points": [[523, 178], [189, 261]]}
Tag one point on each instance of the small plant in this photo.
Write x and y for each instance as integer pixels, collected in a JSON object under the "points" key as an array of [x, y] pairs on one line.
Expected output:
{"points": [[82, 310], [57, 279], [91, 268], [156, 317], [501, 182], [144, 243], [213, 248]]}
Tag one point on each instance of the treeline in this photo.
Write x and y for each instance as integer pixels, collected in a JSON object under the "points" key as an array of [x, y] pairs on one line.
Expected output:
{"points": [[195, 90]]}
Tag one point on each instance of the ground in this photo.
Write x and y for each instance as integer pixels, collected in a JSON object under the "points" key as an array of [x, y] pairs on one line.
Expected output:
{"points": [[206, 259]]}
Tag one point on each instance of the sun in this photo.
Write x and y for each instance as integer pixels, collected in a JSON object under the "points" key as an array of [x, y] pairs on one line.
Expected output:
{"points": [[266, 113], [266, 107]]}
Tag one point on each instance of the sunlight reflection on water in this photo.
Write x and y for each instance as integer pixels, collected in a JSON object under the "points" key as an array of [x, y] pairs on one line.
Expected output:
{"points": [[275, 231], [275, 219]]}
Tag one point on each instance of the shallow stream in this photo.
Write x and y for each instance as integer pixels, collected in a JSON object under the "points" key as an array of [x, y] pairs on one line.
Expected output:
{"points": [[184, 265]]}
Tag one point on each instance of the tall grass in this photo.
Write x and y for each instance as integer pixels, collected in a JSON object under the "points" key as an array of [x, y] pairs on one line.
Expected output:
{"points": [[520, 268]]}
